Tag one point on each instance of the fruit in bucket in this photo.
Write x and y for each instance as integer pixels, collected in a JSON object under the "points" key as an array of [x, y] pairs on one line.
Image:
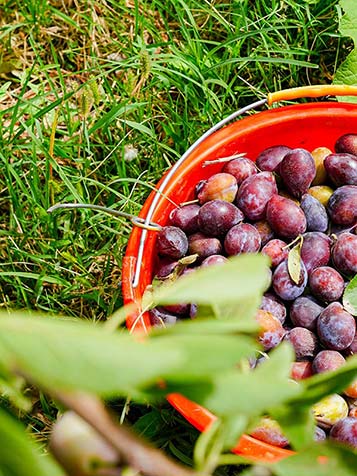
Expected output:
{"points": [[257, 211]]}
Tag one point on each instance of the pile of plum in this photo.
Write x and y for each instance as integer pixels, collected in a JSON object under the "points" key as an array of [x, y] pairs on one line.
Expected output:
{"points": [[287, 199]]}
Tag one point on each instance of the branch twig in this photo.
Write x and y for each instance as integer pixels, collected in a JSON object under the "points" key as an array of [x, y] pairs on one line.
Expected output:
{"points": [[139, 455]]}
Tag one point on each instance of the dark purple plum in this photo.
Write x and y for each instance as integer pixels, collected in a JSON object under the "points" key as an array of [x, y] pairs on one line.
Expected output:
{"points": [[345, 431], [241, 168], [165, 268], [159, 317], [326, 284], [277, 251], [342, 206], [284, 286], [341, 169], [336, 327], [315, 250], [185, 218], [254, 194], [344, 254], [178, 309], [304, 342], [242, 238], [315, 212], [285, 217], [271, 157], [216, 217], [304, 312], [171, 242], [298, 170], [347, 144], [203, 245], [327, 361]]}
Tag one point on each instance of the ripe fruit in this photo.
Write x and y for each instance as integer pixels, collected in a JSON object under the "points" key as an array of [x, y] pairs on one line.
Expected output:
{"points": [[344, 253], [319, 155], [269, 431], [330, 410], [342, 169], [284, 286], [221, 186], [242, 238], [271, 330], [345, 431], [297, 169], [347, 144], [285, 217], [241, 168], [216, 217], [326, 284], [185, 218], [342, 205], [254, 194], [336, 327], [171, 242], [271, 157]]}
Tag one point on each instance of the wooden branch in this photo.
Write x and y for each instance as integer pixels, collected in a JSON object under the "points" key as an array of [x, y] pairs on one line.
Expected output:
{"points": [[132, 450]]}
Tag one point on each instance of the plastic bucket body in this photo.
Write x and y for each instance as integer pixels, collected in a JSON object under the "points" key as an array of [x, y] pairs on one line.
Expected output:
{"points": [[304, 125]]}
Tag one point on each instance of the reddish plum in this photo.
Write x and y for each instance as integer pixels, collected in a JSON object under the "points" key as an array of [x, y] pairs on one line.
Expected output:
{"points": [[304, 311], [342, 205], [285, 217], [344, 253], [216, 217], [271, 157], [185, 218], [171, 242], [277, 251], [298, 170], [242, 238], [326, 284], [254, 194], [241, 168]]}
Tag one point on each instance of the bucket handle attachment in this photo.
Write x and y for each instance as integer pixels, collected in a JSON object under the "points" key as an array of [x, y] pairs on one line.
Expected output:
{"points": [[312, 92]]}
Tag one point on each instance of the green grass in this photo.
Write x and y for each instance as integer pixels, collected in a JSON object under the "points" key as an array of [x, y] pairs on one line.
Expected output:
{"points": [[82, 82]]}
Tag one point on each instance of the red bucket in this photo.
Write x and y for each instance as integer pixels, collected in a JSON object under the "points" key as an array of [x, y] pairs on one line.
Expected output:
{"points": [[305, 125]]}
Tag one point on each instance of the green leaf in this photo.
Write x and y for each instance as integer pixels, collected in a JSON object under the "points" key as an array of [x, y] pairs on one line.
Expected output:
{"points": [[348, 22], [350, 297], [294, 262], [250, 393], [242, 277], [111, 115], [78, 355], [340, 461], [19, 456], [347, 74], [205, 356]]}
